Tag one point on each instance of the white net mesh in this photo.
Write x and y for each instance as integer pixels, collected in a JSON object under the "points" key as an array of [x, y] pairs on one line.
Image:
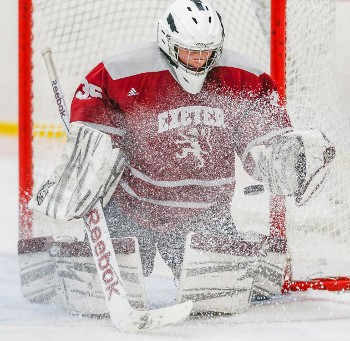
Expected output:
{"points": [[319, 234], [81, 33]]}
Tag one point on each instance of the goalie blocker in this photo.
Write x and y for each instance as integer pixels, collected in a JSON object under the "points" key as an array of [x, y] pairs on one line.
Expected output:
{"points": [[89, 169]]}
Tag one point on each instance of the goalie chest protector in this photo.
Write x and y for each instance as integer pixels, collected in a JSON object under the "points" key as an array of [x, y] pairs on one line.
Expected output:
{"points": [[181, 147]]}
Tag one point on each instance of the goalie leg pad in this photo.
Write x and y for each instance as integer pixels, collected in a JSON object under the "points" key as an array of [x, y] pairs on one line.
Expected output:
{"points": [[218, 273], [271, 270], [73, 283], [38, 270], [80, 282]]}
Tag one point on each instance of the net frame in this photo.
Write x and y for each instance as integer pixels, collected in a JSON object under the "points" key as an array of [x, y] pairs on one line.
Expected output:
{"points": [[25, 110]]}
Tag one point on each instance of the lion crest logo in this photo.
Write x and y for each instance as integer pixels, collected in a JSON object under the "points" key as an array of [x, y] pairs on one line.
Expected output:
{"points": [[196, 142]]}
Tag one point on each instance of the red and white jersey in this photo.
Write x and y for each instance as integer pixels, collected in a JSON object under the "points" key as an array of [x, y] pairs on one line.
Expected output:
{"points": [[180, 147]]}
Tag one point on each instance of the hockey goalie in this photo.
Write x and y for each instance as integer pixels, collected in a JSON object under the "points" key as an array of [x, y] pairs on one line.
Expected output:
{"points": [[155, 130]]}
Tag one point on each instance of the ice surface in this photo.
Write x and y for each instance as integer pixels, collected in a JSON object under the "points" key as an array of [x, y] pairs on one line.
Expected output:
{"points": [[303, 316]]}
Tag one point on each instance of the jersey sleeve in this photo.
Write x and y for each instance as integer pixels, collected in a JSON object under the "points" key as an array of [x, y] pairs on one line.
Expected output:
{"points": [[261, 119], [93, 106]]}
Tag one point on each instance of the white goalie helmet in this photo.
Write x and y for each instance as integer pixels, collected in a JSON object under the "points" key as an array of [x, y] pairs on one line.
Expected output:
{"points": [[191, 32]]}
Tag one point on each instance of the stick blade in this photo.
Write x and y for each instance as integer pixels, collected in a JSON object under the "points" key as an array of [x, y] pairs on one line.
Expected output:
{"points": [[151, 319]]}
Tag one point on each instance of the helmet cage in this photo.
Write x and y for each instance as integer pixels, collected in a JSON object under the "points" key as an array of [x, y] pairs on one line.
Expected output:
{"points": [[174, 47]]}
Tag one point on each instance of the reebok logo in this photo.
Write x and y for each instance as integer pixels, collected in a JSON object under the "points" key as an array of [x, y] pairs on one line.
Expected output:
{"points": [[132, 92], [109, 276], [59, 98]]}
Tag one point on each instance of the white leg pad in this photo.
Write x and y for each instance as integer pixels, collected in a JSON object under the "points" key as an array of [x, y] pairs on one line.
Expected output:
{"points": [[218, 273], [271, 271], [38, 270], [73, 275]]}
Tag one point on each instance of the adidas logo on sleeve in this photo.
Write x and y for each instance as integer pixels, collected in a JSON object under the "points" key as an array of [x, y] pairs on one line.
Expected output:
{"points": [[132, 92]]}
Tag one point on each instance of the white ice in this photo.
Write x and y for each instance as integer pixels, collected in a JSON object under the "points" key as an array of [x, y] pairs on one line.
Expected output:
{"points": [[304, 316]]}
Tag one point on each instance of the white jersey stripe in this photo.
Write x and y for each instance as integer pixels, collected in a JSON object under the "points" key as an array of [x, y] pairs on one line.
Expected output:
{"points": [[178, 204], [185, 182]]}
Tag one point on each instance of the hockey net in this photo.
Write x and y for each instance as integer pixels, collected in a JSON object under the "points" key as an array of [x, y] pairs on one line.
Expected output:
{"points": [[82, 33]]}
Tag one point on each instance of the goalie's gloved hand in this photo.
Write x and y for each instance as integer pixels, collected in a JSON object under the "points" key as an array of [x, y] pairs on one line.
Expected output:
{"points": [[89, 170], [295, 164]]}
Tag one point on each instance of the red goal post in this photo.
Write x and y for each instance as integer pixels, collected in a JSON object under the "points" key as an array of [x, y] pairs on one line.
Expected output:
{"points": [[25, 109], [299, 35]]}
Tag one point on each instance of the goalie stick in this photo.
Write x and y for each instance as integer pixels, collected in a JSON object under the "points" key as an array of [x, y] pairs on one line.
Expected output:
{"points": [[123, 316]]}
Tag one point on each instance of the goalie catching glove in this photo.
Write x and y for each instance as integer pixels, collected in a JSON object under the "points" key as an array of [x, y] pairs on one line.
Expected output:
{"points": [[295, 164], [89, 169]]}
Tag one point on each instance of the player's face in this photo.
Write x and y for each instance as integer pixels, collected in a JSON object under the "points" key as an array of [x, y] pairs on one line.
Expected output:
{"points": [[194, 59]]}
